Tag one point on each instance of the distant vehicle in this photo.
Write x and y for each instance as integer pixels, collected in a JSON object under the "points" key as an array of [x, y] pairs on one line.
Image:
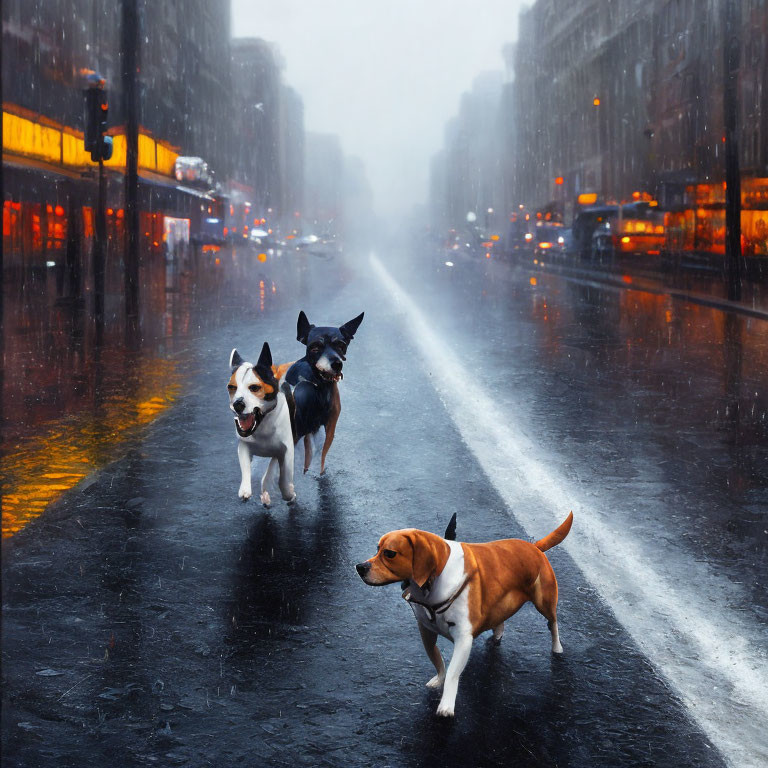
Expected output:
{"points": [[548, 238], [305, 242], [258, 236], [464, 244], [209, 233], [584, 224], [636, 228], [519, 235]]}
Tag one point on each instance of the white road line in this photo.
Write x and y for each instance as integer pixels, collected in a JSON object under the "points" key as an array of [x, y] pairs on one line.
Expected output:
{"points": [[706, 651]]}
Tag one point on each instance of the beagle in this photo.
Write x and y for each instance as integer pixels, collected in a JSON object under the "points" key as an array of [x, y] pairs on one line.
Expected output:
{"points": [[460, 590]]}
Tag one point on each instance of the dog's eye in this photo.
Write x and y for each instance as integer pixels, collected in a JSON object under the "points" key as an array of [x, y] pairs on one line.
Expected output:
{"points": [[254, 388], [232, 388], [341, 347], [316, 349], [390, 553]]}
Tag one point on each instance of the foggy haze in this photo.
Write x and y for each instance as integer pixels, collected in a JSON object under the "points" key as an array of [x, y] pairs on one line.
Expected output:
{"points": [[384, 76]]}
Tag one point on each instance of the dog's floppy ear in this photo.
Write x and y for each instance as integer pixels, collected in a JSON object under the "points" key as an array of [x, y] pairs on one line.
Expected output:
{"points": [[263, 366], [235, 361], [303, 327], [348, 329], [424, 562]]}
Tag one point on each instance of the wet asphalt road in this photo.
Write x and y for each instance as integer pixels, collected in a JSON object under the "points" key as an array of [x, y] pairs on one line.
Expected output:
{"points": [[175, 625]]}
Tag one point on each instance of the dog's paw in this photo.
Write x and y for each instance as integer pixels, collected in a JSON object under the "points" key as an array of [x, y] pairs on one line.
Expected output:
{"points": [[435, 682], [244, 493], [290, 500], [265, 500], [445, 710], [557, 648]]}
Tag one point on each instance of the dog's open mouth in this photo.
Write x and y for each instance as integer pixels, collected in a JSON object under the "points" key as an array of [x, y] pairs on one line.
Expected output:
{"points": [[246, 423], [330, 375]]}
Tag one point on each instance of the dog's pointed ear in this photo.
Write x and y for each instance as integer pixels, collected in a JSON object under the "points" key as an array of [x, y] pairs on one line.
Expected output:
{"points": [[348, 329], [263, 366], [264, 370], [303, 327], [235, 361]]}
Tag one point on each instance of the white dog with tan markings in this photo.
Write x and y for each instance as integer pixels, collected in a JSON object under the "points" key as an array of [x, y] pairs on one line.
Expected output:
{"points": [[459, 590], [264, 420]]}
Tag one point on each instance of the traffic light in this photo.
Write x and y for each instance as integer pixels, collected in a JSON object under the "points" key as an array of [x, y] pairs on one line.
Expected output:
{"points": [[96, 113], [106, 150]]}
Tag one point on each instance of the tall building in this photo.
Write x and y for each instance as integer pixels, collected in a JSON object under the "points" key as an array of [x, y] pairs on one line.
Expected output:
{"points": [[269, 119], [324, 185], [199, 94], [291, 153], [256, 87], [50, 47], [468, 176], [621, 97], [185, 74], [582, 75]]}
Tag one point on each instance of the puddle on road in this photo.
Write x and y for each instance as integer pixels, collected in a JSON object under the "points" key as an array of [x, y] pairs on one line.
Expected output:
{"points": [[61, 453]]}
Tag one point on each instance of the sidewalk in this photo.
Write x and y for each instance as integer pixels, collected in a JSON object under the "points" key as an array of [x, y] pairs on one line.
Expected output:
{"points": [[685, 283]]}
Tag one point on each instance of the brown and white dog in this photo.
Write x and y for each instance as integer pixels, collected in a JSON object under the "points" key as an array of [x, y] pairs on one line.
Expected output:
{"points": [[264, 421], [460, 590]]}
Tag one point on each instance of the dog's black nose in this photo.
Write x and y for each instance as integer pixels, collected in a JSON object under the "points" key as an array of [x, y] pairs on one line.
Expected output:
{"points": [[336, 365], [239, 405], [362, 569]]}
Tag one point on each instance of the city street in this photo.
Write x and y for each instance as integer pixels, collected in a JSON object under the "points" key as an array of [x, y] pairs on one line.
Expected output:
{"points": [[151, 618]]}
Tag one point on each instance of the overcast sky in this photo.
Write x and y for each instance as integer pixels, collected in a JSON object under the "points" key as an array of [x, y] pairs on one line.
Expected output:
{"points": [[385, 75]]}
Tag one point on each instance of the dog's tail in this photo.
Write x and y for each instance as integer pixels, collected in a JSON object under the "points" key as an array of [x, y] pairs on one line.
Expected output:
{"points": [[554, 538]]}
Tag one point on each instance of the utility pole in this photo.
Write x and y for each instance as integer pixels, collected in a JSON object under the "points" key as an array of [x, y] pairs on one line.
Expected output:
{"points": [[99, 244], [731, 57], [130, 72]]}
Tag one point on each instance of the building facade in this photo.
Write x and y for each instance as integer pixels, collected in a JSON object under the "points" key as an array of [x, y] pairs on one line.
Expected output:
{"points": [[617, 97], [324, 192], [256, 86], [269, 121], [468, 175], [621, 99], [186, 79]]}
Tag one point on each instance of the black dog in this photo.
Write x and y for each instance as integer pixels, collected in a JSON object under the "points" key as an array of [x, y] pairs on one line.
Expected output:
{"points": [[315, 378]]}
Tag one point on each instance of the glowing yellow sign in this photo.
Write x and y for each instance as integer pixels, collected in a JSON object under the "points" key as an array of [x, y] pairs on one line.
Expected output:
{"points": [[64, 146], [31, 139]]}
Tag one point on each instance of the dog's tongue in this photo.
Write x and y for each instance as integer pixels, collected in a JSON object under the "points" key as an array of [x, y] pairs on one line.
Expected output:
{"points": [[246, 422]]}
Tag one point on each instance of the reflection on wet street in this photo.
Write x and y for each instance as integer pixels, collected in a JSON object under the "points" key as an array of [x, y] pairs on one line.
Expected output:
{"points": [[178, 613], [74, 396], [657, 405], [57, 454]]}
